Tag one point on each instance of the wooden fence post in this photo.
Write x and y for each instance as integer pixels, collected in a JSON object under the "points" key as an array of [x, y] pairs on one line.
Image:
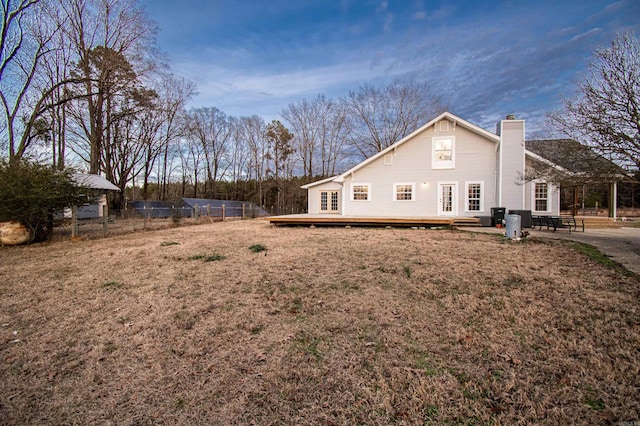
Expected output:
{"points": [[74, 221], [208, 210], [105, 218], [243, 212], [223, 212], [196, 213]]}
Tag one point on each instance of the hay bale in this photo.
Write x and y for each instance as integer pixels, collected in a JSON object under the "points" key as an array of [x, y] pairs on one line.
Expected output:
{"points": [[15, 233]]}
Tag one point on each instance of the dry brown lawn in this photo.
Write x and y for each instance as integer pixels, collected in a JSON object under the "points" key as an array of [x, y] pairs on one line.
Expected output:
{"points": [[328, 326]]}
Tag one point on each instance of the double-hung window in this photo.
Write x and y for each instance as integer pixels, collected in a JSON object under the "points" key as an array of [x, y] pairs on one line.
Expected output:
{"points": [[404, 192], [360, 192], [541, 197], [474, 197]]}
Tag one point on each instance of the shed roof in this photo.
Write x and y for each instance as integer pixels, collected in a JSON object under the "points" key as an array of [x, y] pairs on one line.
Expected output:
{"points": [[93, 181]]}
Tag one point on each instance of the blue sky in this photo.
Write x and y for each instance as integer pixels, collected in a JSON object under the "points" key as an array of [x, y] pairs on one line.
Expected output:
{"points": [[484, 58]]}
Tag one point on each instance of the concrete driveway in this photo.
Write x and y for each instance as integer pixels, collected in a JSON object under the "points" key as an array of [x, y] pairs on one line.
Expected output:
{"points": [[620, 244]]}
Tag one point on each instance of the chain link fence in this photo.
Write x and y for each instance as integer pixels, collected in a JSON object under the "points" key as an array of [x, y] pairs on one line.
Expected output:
{"points": [[147, 219]]}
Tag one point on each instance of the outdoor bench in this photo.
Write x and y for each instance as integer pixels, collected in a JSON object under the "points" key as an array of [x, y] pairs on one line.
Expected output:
{"points": [[557, 222]]}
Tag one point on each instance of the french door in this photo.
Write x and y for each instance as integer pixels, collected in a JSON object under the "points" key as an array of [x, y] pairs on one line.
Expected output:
{"points": [[447, 195], [329, 201]]}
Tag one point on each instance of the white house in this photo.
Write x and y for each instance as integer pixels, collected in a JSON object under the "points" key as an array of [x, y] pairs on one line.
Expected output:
{"points": [[447, 168]]}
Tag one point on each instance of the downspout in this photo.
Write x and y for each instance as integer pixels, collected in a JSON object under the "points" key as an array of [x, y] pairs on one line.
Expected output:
{"points": [[342, 195], [524, 168], [500, 169]]}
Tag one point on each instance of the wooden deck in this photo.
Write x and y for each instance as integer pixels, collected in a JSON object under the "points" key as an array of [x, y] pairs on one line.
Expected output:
{"points": [[336, 220]]}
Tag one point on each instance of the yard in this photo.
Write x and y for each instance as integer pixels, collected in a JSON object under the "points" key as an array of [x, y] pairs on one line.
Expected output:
{"points": [[328, 326]]}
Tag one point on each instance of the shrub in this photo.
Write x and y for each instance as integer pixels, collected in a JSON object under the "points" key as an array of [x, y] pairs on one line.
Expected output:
{"points": [[33, 193], [257, 248]]}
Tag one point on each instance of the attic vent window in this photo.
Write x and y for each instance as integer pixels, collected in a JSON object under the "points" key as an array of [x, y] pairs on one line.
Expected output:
{"points": [[444, 126]]}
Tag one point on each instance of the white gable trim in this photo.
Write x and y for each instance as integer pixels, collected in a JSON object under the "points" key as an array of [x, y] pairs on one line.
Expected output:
{"points": [[547, 162], [320, 182]]}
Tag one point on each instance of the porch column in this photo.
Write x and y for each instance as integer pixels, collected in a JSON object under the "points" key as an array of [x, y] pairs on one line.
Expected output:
{"points": [[613, 200]]}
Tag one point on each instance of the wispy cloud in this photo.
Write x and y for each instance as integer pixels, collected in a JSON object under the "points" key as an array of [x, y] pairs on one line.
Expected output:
{"points": [[240, 91], [484, 63]]}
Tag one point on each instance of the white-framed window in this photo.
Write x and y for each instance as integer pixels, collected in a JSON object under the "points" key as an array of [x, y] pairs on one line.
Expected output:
{"points": [[388, 159], [404, 191], [541, 197], [473, 197], [361, 192], [443, 152]]}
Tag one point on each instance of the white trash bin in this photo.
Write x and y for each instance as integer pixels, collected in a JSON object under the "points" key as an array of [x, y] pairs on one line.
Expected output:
{"points": [[513, 226]]}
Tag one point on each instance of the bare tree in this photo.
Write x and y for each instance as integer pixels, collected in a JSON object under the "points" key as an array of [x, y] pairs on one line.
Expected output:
{"points": [[160, 127], [212, 129], [26, 41], [240, 158], [57, 72], [381, 117], [174, 93], [131, 134], [605, 112], [13, 38], [190, 156], [320, 132], [253, 132], [304, 118], [105, 34]]}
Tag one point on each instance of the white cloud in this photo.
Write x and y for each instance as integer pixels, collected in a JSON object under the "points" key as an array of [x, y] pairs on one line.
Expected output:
{"points": [[585, 34], [239, 92]]}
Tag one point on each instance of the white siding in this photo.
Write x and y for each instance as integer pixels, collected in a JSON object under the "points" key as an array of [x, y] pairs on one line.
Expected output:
{"points": [[412, 164], [314, 196], [511, 164], [553, 197]]}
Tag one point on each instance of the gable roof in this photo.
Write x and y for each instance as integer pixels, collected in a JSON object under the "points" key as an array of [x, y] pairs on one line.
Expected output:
{"points": [[547, 162], [444, 116], [576, 158]]}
